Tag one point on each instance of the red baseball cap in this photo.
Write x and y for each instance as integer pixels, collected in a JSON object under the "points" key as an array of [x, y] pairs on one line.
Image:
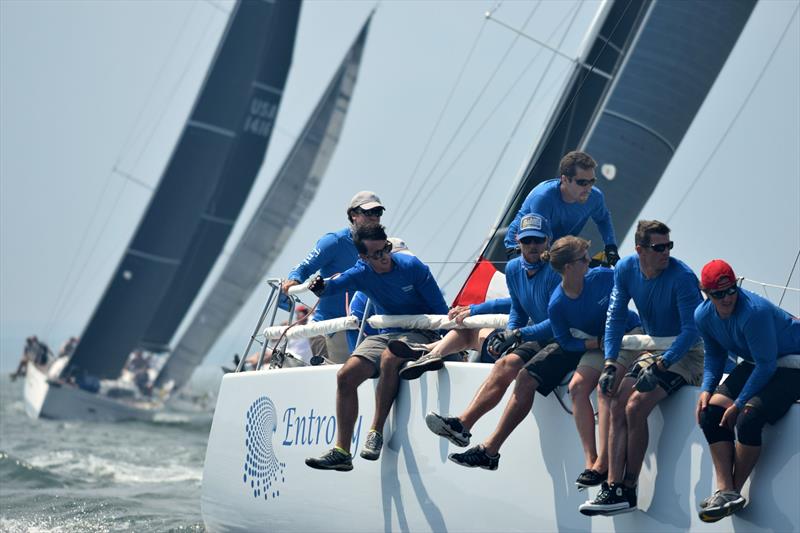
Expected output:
{"points": [[716, 274]]}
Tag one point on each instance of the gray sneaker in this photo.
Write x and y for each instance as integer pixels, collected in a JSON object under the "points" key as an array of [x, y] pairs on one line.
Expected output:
{"points": [[721, 504], [333, 459], [407, 350], [372, 447], [428, 362], [448, 427]]}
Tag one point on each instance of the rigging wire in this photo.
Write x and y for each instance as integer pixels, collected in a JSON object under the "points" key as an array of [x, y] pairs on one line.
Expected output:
{"points": [[735, 118], [404, 215], [791, 273]]}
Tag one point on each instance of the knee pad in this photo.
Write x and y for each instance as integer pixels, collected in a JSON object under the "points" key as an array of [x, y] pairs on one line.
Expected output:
{"points": [[709, 422], [749, 426]]}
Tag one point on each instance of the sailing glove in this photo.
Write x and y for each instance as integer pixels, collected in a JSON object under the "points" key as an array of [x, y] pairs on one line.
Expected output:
{"points": [[647, 380], [500, 342], [606, 381], [317, 286], [612, 254]]}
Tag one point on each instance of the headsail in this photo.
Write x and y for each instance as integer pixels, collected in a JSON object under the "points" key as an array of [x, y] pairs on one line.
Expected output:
{"points": [[233, 115], [273, 222], [654, 64]]}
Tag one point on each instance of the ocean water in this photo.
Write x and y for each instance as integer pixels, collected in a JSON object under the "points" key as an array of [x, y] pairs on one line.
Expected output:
{"points": [[79, 476]]}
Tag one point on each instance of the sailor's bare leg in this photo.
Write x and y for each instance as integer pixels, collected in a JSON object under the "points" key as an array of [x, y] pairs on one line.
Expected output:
{"points": [[618, 431], [515, 412], [639, 407], [746, 459], [580, 389], [388, 385], [455, 341], [491, 391], [352, 374]]}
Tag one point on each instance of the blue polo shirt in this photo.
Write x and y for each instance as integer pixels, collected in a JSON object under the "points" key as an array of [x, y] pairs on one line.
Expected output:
{"points": [[529, 299], [757, 331], [565, 219], [665, 304]]}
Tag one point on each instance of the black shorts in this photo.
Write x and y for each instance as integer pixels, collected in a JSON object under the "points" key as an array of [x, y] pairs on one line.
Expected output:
{"points": [[669, 381], [547, 365], [774, 400]]}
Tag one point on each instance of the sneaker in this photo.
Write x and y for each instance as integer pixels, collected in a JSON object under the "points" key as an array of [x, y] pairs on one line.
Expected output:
{"points": [[407, 350], [707, 501], [590, 478], [476, 457], [415, 369], [334, 459], [721, 504], [612, 499], [448, 427], [372, 446]]}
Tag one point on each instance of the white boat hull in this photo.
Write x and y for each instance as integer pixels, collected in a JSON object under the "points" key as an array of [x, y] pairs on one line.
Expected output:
{"points": [[45, 398], [413, 487]]}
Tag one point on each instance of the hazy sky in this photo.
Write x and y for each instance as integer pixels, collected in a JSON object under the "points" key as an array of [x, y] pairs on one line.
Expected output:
{"points": [[86, 87]]}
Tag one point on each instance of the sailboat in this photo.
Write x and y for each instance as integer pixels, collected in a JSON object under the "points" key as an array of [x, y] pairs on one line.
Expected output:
{"points": [[185, 225], [641, 77]]}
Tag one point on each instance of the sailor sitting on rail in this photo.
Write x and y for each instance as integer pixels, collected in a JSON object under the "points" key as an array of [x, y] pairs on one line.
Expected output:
{"points": [[397, 284], [666, 293], [568, 202], [760, 389], [530, 282], [334, 253]]}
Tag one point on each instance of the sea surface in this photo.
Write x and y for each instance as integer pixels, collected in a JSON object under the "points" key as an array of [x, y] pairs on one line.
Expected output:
{"points": [[81, 476]]}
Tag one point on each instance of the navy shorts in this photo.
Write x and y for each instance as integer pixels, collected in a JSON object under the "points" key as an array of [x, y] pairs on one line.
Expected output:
{"points": [[774, 400], [548, 365]]}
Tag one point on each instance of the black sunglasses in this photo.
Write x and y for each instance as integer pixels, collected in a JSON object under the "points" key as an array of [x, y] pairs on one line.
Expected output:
{"points": [[374, 212], [375, 256], [660, 248], [532, 240], [584, 183], [720, 294]]}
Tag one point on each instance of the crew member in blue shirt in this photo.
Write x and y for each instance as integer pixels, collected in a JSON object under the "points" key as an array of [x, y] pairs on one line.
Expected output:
{"points": [[567, 203], [581, 302], [530, 282], [666, 293], [335, 253], [397, 284], [762, 388]]}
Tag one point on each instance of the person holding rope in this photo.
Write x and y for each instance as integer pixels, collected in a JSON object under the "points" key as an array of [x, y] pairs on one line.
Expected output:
{"points": [[762, 388], [531, 281], [665, 291], [567, 203], [334, 253], [396, 284]]}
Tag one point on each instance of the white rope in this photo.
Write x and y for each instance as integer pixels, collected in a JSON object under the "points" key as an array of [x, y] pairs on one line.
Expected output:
{"points": [[313, 329], [437, 322]]}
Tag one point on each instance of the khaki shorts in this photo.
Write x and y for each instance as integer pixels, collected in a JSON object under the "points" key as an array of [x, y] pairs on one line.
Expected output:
{"points": [[689, 367], [373, 346], [334, 348], [596, 358]]}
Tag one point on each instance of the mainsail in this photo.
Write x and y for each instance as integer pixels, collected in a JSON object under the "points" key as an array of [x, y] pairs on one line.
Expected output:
{"points": [[628, 103], [273, 222], [210, 171]]}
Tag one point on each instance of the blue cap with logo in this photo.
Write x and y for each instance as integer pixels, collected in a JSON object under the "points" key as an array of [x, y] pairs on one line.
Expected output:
{"points": [[534, 225]]}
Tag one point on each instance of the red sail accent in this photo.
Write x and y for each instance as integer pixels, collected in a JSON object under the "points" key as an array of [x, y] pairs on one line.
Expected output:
{"points": [[474, 289]]}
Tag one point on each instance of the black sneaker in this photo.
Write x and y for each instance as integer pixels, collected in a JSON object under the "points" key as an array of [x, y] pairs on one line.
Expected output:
{"points": [[372, 446], [333, 459], [612, 499], [590, 478], [407, 350], [415, 369], [476, 457], [448, 427]]}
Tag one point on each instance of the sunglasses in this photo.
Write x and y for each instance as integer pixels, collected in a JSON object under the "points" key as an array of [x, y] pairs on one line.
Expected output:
{"points": [[584, 183], [374, 212], [720, 294], [532, 240], [660, 248], [375, 256]]}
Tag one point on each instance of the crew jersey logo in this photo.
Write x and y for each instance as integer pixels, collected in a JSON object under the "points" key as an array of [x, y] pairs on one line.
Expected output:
{"points": [[263, 472]]}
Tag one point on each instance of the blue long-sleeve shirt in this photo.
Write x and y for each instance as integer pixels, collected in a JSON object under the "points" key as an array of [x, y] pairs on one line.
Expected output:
{"points": [[501, 306], [407, 289], [333, 253], [665, 304], [565, 219], [357, 306], [757, 331], [529, 300], [587, 312]]}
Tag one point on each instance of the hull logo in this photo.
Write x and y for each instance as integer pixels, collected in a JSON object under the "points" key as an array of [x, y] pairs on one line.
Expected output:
{"points": [[263, 472]]}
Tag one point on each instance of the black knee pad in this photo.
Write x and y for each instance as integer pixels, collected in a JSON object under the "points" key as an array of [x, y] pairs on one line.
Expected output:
{"points": [[709, 422], [749, 426]]}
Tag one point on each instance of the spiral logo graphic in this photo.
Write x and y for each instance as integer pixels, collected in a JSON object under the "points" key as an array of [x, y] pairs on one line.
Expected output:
{"points": [[262, 470]]}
